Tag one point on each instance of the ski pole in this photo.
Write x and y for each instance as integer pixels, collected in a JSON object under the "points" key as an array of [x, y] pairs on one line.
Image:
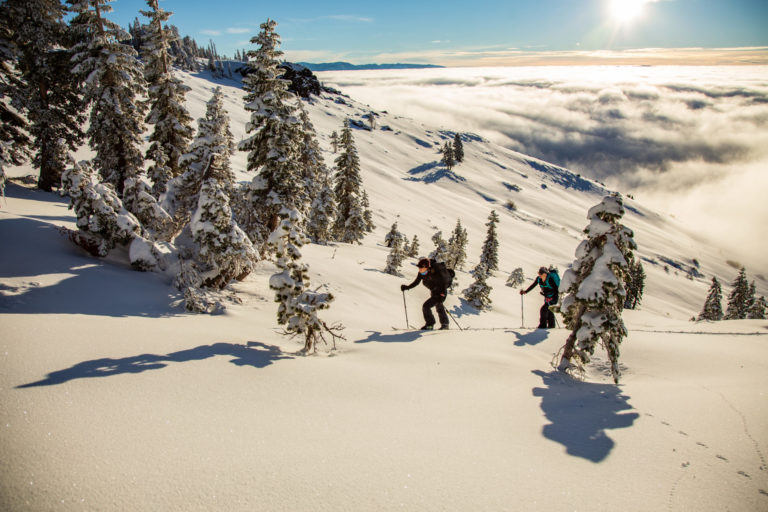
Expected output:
{"points": [[407, 324], [522, 316], [454, 320]]}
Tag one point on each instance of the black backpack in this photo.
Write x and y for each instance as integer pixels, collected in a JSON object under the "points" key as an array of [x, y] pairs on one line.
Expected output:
{"points": [[445, 273]]}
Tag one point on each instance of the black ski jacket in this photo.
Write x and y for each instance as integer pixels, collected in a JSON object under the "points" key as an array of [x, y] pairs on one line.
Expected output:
{"points": [[433, 280]]}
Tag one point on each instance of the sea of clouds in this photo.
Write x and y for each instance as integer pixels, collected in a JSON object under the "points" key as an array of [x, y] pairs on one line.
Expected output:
{"points": [[691, 141]]}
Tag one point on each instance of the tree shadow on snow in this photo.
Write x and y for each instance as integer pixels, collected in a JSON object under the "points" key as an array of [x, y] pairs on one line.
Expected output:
{"points": [[463, 308], [255, 354], [396, 337], [418, 173], [580, 413], [88, 285], [530, 338]]}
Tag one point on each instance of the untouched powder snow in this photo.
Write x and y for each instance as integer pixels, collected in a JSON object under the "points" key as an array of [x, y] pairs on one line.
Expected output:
{"points": [[113, 398]]}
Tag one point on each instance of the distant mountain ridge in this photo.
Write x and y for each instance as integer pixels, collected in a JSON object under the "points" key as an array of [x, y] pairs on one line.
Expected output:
{"points": [[346, 66]]}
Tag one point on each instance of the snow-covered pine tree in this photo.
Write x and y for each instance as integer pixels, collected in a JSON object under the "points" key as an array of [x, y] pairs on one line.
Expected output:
{"points": [[50, 93], [516, 278], [594, 286], [414, 247], [298, 304], [713, 306], [323, 212], [166, 93], [155, 221], [215, 127], [751, 297], [390, 237], [441, 247], [113, 83], [448, 157], [311, 162], [350, 225], [457, 247], [14, 137], [367, 213], [335, 141], [479, 292], [738, 299], [224, 248], [396, 255], [101, 218], [635, 285], [273, 144], [490, 255], [757, 312], [208, 158], [458, 148]]}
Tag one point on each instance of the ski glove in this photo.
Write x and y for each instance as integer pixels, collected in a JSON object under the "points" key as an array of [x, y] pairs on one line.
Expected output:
{"points": [[403, 287]]}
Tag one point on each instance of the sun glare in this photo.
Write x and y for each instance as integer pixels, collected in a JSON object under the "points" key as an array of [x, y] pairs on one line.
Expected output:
{"points": [[625, 11]]}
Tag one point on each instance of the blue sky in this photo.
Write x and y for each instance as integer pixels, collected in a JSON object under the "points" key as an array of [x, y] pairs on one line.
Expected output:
{"points": [[481, 32]]}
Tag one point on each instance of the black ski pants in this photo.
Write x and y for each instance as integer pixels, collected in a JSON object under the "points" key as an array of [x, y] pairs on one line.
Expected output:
{"points": [[546, 316], [435, 301]]}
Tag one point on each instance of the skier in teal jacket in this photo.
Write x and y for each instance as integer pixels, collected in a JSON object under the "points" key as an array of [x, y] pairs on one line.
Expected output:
{"points": [[549, 282]]}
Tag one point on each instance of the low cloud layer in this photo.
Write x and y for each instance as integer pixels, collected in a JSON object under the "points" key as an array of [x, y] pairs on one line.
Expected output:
{"points": [[691, 141]]}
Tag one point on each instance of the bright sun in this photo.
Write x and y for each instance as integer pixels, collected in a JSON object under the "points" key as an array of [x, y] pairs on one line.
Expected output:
{"points": [[625, 11]]}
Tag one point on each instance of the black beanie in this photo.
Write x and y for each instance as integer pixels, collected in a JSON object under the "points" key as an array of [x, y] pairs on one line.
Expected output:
{"points": [[543, 270], [423, 262]]}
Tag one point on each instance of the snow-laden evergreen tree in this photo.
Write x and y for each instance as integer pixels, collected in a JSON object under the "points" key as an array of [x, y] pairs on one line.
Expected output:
{"points": [[273, 144], [323, 212], [101, 217], [311, 162], [457, 247], [396, 255], [738, 299], [635, 285], [479, 292], [214, 136], [50, 93], [367, 213], [335, 141], [113, 86], [155, 221], [458, 148], [413, 247], [350, 226], [441, 247], [208, 158], [594, 286], [299, 306], [166, 93], [449, 160], [758, 309], [751, 297], [489, 257], [713, 306], [516, 278], [14, 136], [390, 237], [224, 248]]}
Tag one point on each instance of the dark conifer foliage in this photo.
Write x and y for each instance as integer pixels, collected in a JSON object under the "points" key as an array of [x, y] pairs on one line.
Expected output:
{"points": [[49, 92], [113, 86]]}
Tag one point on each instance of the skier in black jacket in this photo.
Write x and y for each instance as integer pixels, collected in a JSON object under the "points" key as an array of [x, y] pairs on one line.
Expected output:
{"points": [[432, 279], [549, 289]]}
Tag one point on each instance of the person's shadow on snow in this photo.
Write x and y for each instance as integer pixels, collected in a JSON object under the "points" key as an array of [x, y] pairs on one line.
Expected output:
{"points": [[396, 337], [580, 413], [254, 354], [531, 338]]}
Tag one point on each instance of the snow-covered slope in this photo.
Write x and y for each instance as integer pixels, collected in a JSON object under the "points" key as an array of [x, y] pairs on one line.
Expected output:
{"points": [[114, 399]]}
